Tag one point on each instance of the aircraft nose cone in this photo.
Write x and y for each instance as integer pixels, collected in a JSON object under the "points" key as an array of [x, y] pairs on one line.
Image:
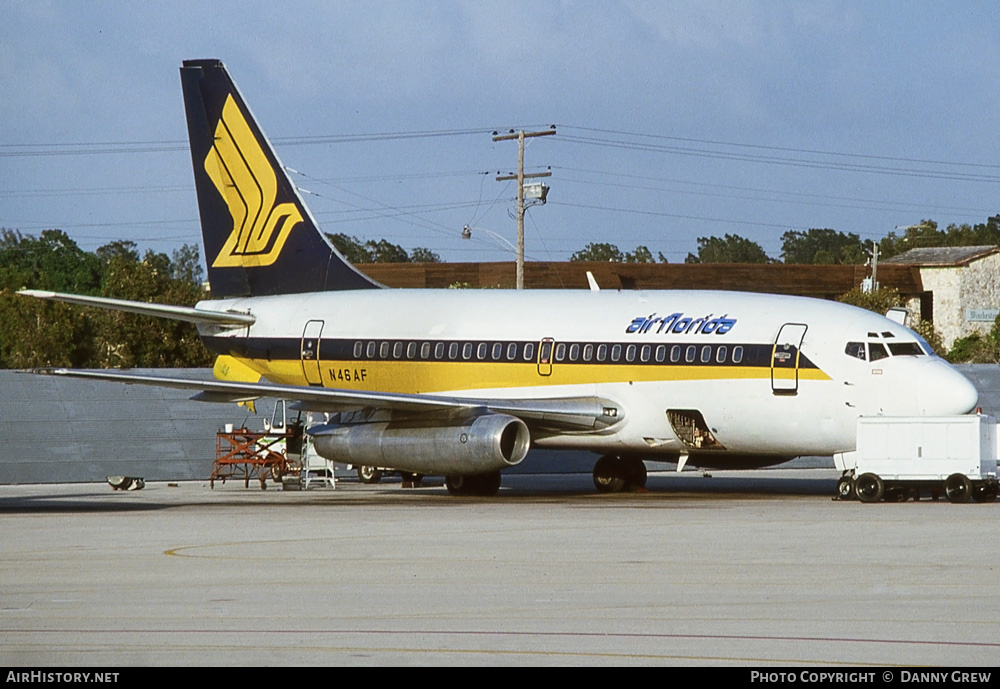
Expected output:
{"points": [[945, 392]]}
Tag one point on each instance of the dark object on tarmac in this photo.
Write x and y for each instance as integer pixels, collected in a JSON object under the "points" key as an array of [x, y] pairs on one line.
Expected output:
{"points": [[126, 482]]}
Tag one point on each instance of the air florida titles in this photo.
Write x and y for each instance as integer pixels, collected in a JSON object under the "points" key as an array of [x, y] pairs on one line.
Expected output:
{"points": [[678, 323]]}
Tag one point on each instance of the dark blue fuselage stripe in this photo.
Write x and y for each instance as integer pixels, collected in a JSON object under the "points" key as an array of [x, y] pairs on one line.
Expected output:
{"points": [[331, 350]]}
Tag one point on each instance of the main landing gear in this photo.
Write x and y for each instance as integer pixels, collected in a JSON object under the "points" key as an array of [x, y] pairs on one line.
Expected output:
{"points": [[614, 474], [480, 485]]}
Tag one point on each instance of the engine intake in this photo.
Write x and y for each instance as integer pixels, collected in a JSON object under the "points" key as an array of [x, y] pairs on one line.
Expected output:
{"points": [[486, 443]]}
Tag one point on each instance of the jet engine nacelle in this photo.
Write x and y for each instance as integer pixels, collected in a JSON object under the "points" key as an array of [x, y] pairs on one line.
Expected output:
{"points": [[485, 444]]}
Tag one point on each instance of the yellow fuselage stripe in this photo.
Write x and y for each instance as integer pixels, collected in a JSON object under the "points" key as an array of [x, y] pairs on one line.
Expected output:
{"points": [[415, 377]]}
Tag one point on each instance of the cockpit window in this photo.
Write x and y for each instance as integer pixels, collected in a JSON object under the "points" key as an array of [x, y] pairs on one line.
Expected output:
{"points": [[856, 350], [926, 346], [905, 349], [876, 351]]}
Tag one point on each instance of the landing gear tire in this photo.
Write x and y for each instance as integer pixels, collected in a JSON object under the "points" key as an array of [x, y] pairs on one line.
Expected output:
{"points": [[869, 488], [635, 474], [368, 474], [958, 489], [845, 488], [480, 485], [457, 485], [608, 475], [489, 484]]}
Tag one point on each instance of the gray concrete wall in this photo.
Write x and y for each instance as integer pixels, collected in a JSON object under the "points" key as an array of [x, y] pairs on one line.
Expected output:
{"points": [[58, 430]]}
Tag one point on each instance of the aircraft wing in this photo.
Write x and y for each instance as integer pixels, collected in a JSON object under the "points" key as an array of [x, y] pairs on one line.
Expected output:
{"points": [[579, 414]]}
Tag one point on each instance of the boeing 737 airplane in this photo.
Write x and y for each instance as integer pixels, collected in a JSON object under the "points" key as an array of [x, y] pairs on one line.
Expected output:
{"points": [[461, 383]]}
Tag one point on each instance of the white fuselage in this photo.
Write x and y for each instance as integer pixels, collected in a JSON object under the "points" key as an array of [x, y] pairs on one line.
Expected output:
{"points": [[769, 375]]}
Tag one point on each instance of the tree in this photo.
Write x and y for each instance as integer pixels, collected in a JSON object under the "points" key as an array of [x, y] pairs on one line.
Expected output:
{"points": [[352, 248], [599, 251], [129, 340], [926, 234], [729, 249], [976, 348], [641, 254], [923, 234], [822, 247], [609, 253], [185, 265], [52, 261], [422, 255], [381, 251]]}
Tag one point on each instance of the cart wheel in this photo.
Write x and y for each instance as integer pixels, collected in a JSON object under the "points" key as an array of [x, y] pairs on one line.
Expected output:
{"points": [[869, 488], [984, 492], [958, 488], [845, 488], [368, 474]]}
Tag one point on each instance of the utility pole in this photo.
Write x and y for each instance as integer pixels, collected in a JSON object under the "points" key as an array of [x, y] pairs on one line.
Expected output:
{"points": [[520, 177], [874, 265]]}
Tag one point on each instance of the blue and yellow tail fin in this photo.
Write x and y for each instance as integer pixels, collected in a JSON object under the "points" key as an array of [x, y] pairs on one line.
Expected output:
{"points": [[260, 238]]}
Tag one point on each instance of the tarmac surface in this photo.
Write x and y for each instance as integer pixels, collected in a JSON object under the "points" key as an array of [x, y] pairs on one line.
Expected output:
{"points": [[743, 568]]}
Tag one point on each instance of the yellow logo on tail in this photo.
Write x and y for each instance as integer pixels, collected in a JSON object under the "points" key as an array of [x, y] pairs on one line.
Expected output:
{"points": [[239, 169]]}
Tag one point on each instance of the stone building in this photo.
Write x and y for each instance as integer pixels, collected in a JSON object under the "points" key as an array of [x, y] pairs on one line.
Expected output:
{"points": [[961, 288]]}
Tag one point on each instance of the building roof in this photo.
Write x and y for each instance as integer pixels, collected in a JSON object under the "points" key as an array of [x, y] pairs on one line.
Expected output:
{"points": [[943, 255], [823, 281]]}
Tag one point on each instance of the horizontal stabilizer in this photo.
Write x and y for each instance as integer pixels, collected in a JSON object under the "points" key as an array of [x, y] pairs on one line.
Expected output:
{"points": [[177, 313]]}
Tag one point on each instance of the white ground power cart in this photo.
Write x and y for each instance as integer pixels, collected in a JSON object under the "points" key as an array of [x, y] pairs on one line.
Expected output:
{"points": [[902, 458]]}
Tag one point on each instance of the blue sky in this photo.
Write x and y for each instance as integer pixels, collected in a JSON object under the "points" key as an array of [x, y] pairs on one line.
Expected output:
{"points": [[675, 120]]}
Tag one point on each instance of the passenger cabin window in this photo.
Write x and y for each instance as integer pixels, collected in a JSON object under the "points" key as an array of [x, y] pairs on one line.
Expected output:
{"points": [[467, 351], [737, 354], [560, 351], [529, 351]]}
